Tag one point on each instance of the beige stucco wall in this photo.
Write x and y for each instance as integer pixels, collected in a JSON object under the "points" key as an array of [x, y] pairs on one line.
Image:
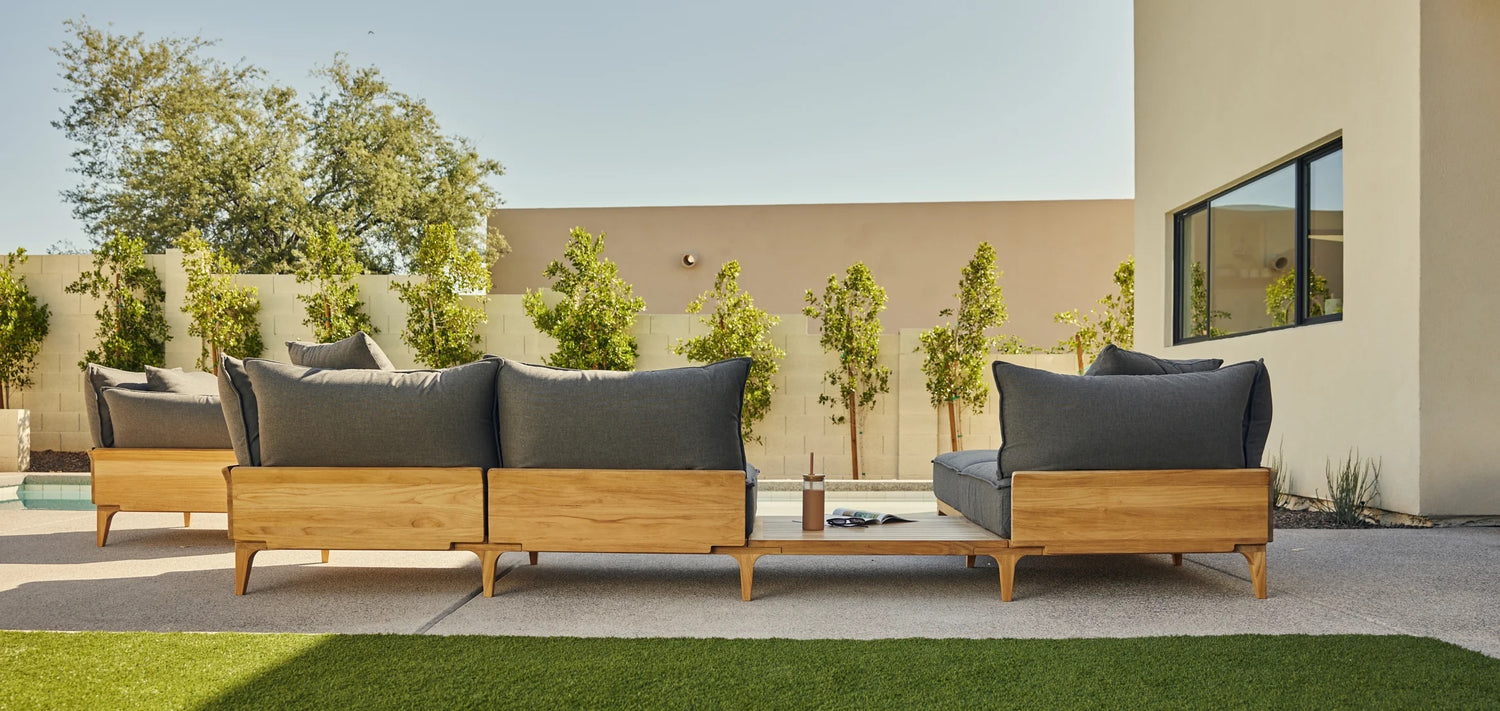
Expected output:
{"points": [[1056, 255], [1227, 89], [901, 435], [1460, 294]]}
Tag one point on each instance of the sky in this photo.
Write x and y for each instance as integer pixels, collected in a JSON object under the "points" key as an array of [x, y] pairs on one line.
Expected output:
{"points": [[660, 103]]}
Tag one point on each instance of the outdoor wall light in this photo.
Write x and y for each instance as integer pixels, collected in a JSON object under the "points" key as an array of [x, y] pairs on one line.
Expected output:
{"points": [[689, 260]]}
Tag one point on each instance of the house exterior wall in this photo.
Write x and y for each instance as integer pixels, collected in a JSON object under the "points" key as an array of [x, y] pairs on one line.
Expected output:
{"points": [[1056, 255], [1225, 90]]}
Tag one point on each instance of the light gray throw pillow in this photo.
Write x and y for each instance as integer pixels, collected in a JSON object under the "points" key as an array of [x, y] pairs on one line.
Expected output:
{"points": [[158, 420], [1052, 422], [682, 418], [375, 418], [175, 380], [1114, 360], [95, 379], [358, 351], [241, 412]]}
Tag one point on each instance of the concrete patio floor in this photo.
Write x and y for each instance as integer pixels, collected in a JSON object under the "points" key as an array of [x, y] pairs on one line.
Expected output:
{"points": [[156, 575]]}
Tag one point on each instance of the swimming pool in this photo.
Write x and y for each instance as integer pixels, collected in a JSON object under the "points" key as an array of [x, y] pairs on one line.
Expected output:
{"points": [[57, 492]]}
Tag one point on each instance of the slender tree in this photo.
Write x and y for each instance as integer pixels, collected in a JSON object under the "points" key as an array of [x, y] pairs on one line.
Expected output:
{"points": [[439, 326], [1281, 296], [334, 310], [1203, 318], [849, 312], [1115, 325], [225, 317], [737, 329], [23, 326], [954, 355], [592, 322], [132, 326]]}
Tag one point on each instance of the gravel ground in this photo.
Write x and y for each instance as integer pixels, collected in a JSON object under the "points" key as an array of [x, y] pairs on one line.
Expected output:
{"points": [[47, 460]]}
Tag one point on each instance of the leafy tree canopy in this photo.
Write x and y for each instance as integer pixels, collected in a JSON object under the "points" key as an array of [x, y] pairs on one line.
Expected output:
{"points": [[23, 326], [440, 327], [225, 317], [737, 329], [849, 311], [334, 310], [168, 139], [592, 322], [954, 354], [132, 326], [1116, 324]]}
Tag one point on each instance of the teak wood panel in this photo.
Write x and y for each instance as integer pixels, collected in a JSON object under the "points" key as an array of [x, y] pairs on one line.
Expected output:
{"points": [[1155, 511], [354, 508], [617, 511], [160, 479]]}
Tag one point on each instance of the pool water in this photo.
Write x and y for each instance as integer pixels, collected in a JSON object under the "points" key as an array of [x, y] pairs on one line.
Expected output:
{"points": [[58, 492]]}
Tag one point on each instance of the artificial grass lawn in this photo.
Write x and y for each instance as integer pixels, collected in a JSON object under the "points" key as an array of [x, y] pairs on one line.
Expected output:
{"points": [[108, 670]]}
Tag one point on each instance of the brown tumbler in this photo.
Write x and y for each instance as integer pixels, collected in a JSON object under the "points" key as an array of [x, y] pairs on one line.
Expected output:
{"points": [[812, 502]]}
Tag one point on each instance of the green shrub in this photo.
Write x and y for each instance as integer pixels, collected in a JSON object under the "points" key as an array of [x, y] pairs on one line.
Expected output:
{"points": [[592, 322], [954, 354], [737, 329], [23, 326], [334, 310], [224, 316], [1115, 325], [132, 325], [439, 327], [1352, 488], [849, 312], [1281, 478]]}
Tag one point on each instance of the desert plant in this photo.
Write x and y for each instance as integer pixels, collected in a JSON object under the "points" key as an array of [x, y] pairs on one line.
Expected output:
{"points": [[592, 322], [849, 312], [132, 326], [1281, 478], [1281, 296], [23, 325], [439, 327], [736, 329], [954, 354], [224, 316], [1352, 488], [330, 263], [1115, 325]]}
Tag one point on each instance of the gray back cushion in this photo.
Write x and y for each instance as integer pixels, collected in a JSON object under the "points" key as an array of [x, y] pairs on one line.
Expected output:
{"points": [[358, 351], [1114, 360], [1052, 422], [375, 418], [175, 380], [145, 419], [1258, 420], [682, 418], [241, 412], [95, 379]]}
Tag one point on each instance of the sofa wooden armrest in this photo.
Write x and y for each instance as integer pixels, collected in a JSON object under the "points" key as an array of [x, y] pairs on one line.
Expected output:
{"points": [[158, 480]]}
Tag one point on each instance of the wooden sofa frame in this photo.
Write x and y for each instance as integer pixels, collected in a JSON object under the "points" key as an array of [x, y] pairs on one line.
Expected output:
{"points": [[1172, 511], [185, 481]]}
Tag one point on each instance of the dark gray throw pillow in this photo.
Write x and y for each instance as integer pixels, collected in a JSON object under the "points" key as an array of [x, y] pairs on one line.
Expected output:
{"points": [[95, 379], [241, 413], [145, 419], [176, 380], [375, 418], [358, 351], [1114, 360], [1052, 422], [682, 418]]}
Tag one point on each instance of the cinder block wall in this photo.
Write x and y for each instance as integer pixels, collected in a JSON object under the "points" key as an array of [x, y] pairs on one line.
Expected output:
{"points": [[900, 435]]}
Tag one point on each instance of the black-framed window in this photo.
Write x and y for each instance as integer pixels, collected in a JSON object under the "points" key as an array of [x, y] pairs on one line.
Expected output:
{"points": [[1267, 253]]}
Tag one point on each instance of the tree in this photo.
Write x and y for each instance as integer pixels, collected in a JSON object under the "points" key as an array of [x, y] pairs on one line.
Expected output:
{"points": [[132, 327], [439, 327], [1203, 318], [592, 322], [849, 312], [224, 316], [1115, 325], [954, 355], [737, 329], [170, 139], [23, 326], [1281, 296], [334, 310]]}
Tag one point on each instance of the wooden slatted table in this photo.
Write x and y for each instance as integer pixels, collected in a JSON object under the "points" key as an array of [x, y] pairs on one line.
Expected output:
{"points": [[924, 535]]}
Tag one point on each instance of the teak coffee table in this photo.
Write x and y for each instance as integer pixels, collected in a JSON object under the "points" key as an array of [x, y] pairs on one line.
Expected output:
{"points": [[923, 535]]}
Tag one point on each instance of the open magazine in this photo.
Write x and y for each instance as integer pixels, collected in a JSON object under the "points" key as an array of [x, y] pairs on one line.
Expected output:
{"points": [[869, 516]]}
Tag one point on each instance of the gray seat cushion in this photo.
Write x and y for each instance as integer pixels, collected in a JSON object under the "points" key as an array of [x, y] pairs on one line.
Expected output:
{"points": [[358, 351], [1053, 422], [375, 418], [144, 420], [1114, 360], [175, 380], [978, 500], [982, 464], [95, 379], [241, 412], [682, 418]]}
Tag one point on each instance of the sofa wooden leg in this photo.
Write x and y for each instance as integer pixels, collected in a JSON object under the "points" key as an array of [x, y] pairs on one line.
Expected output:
{"points": [[104, 514], [969, 560], [746, 559], [1177, 559], [244, 555], [533, 556], [325, 555], [1255, 555], [487, 560], [187, 519], [1007, 560]]}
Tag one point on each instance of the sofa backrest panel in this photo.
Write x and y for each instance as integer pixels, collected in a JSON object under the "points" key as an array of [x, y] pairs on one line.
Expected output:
{"points": [[375, 418], [681, 418], [95, 379], [147, 419], [241, 412]]}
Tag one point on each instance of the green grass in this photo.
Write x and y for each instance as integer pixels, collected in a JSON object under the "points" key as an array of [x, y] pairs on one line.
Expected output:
{"points": [[103, 670]]}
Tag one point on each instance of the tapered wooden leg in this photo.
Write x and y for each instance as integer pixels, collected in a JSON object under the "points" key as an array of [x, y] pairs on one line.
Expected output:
{"points": [[1007, 562], [533, 557], [1176, 559], [325, 555], [244, 554], [969, 560], [104, 515], [1256, 556], [746, 559], [487, 559], [187, 519]]}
